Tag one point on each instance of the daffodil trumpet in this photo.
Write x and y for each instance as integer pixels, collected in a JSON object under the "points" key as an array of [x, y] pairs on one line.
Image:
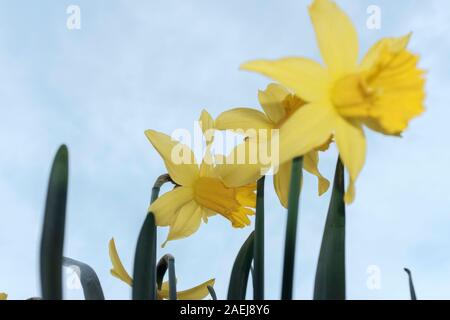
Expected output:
{"points": [[382, 92]]}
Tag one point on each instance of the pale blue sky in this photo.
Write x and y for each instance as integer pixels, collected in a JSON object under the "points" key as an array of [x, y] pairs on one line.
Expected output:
{"points": [[136, 65]]}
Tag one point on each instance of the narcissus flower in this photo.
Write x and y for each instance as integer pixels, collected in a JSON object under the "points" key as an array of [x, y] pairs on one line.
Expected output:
{"points": [[3, 296], [201, 192], [197, 293], [383, 92], [278, 105]]}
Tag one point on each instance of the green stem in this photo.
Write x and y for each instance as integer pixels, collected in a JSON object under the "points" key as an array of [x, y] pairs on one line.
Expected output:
{"points": [[92, 288], [172, 279], [291, 229], [241, 268], [212, 292], [167, 262], [144, 273], [330, 274], [52, 240], [411, 284], [258, 272]]}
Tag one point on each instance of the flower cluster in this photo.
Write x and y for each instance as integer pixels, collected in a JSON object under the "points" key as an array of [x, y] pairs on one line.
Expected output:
{"points": [[308, 107], [311, 105]]}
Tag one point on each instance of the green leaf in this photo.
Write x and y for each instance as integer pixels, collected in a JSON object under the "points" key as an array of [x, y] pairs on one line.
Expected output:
{"points": [[144, 272], [330, 273], [212, 292], [258, 260], [241, 269], [167, 262], [92, 288], [411, 284], [52, 239], [291, 229]]}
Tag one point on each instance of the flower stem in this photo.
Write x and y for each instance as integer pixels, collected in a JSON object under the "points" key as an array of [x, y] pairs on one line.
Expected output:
{"points": [[144, 273], [167, 262], [291, 228], [241, 268], [411, 284], [258, 272]]}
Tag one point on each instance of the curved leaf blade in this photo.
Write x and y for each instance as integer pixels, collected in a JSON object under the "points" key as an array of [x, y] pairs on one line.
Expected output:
{"points": [[330, 273], [144, 273], [258, 260], [291, 229], [92, 288], [167, 262], [241, 269], [212, 292], [52, 239], [411, 284]]}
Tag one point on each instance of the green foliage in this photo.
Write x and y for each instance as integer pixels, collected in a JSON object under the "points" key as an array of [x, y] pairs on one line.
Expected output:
{"points": [[237, 287], [291, 229], [52, 240], [330, 274]]}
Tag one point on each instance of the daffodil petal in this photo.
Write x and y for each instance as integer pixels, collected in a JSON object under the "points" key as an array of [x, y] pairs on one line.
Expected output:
{"points": [[336, 36], [281, 182], [242, 165], [207, 126], [207, 165], [207, 122], [165, 207], [197, 293], [207, 213], [207, 169], [242, 119], [118, 269], [187, 221], [351, 144], [310, 164], [271, 99], [178, 158], [307, 78], [308, 128]]}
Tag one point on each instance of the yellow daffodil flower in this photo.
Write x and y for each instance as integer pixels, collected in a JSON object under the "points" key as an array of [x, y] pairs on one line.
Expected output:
{"points": [[3, 296], [201, 192], [197, 293], [278, 105], [383, 92]]}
